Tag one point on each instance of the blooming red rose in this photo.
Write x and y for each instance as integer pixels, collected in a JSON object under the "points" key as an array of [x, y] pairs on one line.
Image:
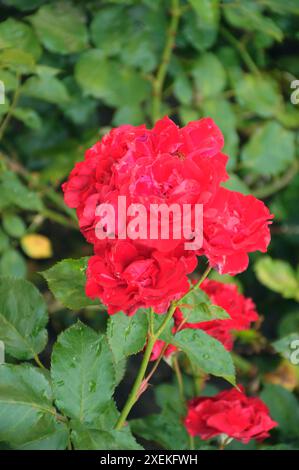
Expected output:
{"points": [[127, 279], [234, 225], [231, 413], [241, 309]]}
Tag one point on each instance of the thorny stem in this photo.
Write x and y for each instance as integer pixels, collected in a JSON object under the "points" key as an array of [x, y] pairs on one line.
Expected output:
{"points": [[242, 51], [140, 383], [158, 81], [178, 373], [278, 184], [134, 394]]}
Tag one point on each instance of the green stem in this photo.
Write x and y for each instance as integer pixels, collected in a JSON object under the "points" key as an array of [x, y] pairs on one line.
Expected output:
{"points": [[134, 394], [59, 218], [38, 362], [158, 81], [242, 51], [272, 188], [179, 377]]}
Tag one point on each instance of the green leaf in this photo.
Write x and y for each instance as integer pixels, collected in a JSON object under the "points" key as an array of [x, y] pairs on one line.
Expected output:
{"points": [[127, 335], [4, 241], [222, 112], [197, 308], [91, 438], [13, 225], [66, 280], [284, 408], [248, 15], [10, 81], [283, 6], [19, 35], [209, 75], [128, 115], [206, 353], [23, 5], [201, 28], [104, 79], [235, 183], [28, 418], [270, 150], [15, 193], [289, 323], [188, 114], [29, 117], [23, 318], [82, 373], [277, 275], [60, 27], [258, 94], [47, 88], [12, 264], [182, 89], [17, 60], [108, 27]]}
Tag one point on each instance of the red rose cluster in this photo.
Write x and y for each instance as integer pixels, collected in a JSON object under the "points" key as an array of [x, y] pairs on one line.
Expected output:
{"points": [[164, 165], [241, 310], [231, 413]]}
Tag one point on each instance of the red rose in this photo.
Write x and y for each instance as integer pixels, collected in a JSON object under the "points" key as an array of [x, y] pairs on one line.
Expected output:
{"points": [[234, 225], [231, 413], [242, 312], [171, 166], [127, 279]]}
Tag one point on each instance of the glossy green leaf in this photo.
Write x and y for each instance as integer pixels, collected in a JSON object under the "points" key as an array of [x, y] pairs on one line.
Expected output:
{"points": [[29, 117], [258, 94], [201, 28], [82, 372], [104, 79], [277, 275], [23, 318], [60, 27], [206, 353], [17, 60], [270, 150], [127, 335], [20, 35], [92, 438], [12, 264], [28, 417], [197, 307], [284, 408], [14, 193], [248, 15], [47, 88], [67, 280], [13, 225], [209, 75]]}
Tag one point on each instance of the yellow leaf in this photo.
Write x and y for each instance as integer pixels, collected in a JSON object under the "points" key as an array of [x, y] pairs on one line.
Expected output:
{"points": [[286, 375], [37, 246]]}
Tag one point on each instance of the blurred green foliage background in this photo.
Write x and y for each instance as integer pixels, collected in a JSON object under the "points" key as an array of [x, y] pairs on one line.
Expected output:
{"points": [[74, 69]]}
